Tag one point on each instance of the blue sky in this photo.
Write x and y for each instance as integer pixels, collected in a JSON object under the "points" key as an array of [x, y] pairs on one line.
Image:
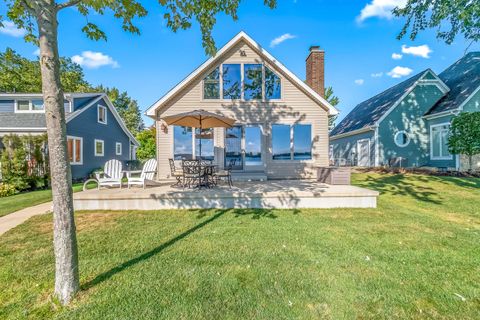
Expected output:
{"points": [[359, 38]]}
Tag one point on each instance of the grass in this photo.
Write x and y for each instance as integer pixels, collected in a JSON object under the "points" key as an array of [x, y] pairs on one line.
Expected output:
{"points": [[27, 199], [416, 256]]}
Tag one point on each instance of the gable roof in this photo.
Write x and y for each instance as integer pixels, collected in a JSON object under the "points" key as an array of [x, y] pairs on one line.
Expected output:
{"points": [[211, 61], [368, 112], [463, 79]]}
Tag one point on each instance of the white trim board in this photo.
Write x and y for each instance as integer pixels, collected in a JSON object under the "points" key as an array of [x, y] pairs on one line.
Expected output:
{"points": [[352, 133], [211, 61]]}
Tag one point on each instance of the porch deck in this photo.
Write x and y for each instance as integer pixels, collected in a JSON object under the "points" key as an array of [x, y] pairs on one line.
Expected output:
{"points": [[281, 194]]}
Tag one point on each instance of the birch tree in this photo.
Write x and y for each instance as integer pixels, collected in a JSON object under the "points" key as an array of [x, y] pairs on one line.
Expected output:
{"points": [[39, 19]]}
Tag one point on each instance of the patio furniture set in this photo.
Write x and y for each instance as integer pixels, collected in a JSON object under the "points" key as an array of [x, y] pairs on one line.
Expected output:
{"points": [[200, 173]]}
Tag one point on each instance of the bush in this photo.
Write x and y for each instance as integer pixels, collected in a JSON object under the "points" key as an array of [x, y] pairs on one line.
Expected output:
{"points": [[7, 190]]}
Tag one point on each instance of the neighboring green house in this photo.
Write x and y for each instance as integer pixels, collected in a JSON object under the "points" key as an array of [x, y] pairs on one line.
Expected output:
{"points": [[408, 124]]}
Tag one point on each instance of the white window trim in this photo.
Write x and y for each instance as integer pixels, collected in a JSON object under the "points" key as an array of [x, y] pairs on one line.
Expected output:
{"points": [[117, 144], [397, 134], [358, 151], [95, 148], [30, 106], [292, 150], [74, 163], [432, 157], [98, 114]]}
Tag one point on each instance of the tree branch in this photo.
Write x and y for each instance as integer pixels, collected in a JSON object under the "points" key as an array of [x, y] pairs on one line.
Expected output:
{"points": [[67, 4], [28, 7]]}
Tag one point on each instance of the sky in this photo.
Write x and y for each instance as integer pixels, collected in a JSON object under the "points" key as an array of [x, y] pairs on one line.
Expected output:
{"points": [[362, 54]]}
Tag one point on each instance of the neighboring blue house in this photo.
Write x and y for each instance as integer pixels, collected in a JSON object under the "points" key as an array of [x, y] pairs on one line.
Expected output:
{"points": [[95, 131], [408, 124]]}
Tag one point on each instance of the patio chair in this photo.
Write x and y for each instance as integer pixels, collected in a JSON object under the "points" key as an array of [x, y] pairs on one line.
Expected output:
{"points": [[192, 172], [175, 173], [226, 173], [146, 176], [112, 174]]}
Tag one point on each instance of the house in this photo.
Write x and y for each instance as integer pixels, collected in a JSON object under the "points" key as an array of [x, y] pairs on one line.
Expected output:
{"points": [[408, 124], [281, 128], [95, 131]]}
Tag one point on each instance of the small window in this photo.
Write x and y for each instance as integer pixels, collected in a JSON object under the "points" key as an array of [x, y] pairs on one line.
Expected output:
{"points": [[273, 85], [75, 150], [232, 79], [402, 139], [102, 114], [37, 105], [23, 105], [211, 85], [118, 149], [99, 148], [252, 82]]}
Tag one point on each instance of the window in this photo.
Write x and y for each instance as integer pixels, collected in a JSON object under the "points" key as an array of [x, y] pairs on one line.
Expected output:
{"points": [[204, 144], [182, 143], [118, 149], [211, 85], [37, 105], [23, 105], [252, 81], [292, 142], [66, 105], [302, 142], [99, 148], [439, 142], [401, 139], [75, 150], [232, 81], [273, 85], [102, 114]]}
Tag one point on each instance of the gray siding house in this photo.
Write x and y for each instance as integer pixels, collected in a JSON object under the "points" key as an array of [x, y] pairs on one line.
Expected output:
{"points": [[408, 124], [95, 131]]}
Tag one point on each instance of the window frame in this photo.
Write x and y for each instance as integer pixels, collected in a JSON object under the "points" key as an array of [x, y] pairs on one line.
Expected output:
{"points": [[98, 114], [194, 142], [30, 105], [117, 144], [74, 138], [292, 160], [95, 148], [220, 85], [397, 134], [432, 127]]}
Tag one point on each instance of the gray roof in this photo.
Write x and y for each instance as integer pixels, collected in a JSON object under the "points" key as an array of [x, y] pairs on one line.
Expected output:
{"points": [[463, 78], [370, 111], [22, 120]]}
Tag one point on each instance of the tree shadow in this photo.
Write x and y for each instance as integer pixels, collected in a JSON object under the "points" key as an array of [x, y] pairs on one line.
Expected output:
{"points": [[147, 255]]}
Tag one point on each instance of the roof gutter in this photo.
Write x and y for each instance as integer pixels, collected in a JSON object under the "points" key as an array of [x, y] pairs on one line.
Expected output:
{"points": [[352, 133]]}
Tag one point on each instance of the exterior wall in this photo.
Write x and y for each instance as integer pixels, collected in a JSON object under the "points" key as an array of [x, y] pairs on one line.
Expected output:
{"points": [[294, 107], [80, 102], [473, 104], [86, 126], [408, 116], [343, 148]]}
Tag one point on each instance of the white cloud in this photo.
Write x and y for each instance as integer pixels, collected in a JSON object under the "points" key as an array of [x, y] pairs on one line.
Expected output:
{"points": [[377, 75], [359, 82], [419, 51], [94, 60], [396, 56], [399, 72], [380, 8], [284, 37], [9, 28]]}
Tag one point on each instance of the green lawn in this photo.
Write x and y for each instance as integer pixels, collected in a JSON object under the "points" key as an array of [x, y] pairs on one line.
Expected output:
{"points": [[28, 199], [416, 256]]}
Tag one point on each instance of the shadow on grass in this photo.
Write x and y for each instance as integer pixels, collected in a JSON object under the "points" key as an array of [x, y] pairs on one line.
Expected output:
{"points": [[400, 184]]}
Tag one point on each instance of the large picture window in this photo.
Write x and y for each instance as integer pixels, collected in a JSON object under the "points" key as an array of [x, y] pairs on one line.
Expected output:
{"points": [[232, 81], [439, 142], [292, 142], [252, 82], [211, 85], [182, 143]]}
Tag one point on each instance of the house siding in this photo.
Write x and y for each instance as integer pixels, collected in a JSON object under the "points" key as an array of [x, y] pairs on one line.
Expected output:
{"points": [[343, 147], [85, 125], [473, 105], [294, 107], [408, 116]]}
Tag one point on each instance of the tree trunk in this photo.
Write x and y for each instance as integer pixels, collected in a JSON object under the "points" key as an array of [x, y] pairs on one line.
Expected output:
{"points": [[470, 163], [64, 236]]}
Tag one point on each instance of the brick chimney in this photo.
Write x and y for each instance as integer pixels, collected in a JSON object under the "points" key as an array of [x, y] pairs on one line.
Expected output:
{"points": [[316, 70]]}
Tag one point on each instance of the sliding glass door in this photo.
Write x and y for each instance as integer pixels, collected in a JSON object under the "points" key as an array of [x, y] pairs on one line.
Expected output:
{"points": [[243, 147]]}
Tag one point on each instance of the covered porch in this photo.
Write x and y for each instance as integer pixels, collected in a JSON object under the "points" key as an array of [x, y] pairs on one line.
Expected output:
{"points": [[279, 194]]}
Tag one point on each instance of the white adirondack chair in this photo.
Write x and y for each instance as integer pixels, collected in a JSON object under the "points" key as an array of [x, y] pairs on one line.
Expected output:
{"points": [[146, 175], [112, 174]]}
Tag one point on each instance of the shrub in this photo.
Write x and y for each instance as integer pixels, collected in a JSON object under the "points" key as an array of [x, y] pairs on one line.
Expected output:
{"points": [[7, 190]]}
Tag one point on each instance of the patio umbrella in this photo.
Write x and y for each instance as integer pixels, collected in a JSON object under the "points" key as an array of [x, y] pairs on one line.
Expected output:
{"points": [[199, 119]]}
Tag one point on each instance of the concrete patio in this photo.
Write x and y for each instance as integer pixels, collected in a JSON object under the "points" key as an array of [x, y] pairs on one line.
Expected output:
{"points": [[281, 194]]}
